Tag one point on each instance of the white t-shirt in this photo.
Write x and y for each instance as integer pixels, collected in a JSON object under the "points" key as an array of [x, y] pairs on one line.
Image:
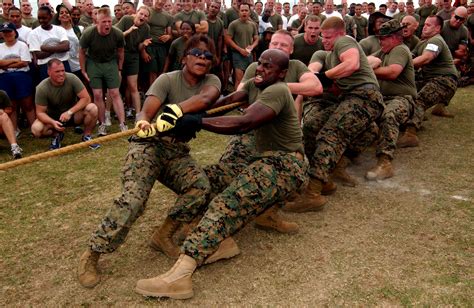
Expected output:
{"points": [[285, 22], [19, 50], [23, 33], [262, 26], [293, 18], [73, 50], [334, 13], [39, 36], [390, 14]]}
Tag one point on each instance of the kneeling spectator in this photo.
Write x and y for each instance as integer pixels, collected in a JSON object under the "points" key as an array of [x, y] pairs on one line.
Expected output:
{"points": [[6, 125], [62, 100]]}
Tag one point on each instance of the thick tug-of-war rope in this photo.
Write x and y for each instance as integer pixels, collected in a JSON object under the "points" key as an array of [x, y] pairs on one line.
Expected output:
{"points": [[85, 144]]}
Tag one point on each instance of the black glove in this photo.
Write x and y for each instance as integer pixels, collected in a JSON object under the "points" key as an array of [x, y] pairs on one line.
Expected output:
{"points": [[187, 126], [325, 80]]}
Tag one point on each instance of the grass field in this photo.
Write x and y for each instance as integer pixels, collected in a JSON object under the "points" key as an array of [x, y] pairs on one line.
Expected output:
{"points": [[404, 241]]}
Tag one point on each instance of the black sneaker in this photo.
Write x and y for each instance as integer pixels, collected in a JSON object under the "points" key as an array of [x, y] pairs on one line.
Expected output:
{"points": [[93, 146], [78, 130], [56, 142]]}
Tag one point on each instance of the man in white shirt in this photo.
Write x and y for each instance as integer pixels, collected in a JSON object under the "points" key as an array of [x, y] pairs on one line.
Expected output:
{"points": [[329, 10]]}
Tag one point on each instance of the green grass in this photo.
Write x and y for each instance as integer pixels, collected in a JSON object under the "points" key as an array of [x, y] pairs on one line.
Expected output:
{"points": [[406, 241]]}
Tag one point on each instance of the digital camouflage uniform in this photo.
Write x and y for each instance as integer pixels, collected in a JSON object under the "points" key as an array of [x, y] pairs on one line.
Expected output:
{"points": [[240, 147], [439, 78], [360, 104], [165, 159], [398, 98], [245, 190]]}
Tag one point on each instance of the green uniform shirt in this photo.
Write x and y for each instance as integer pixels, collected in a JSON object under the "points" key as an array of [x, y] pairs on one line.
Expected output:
{"points": [[412, 42], [454, 37], [425, 12], [443, 64], [399, 16], [446, 14], [361, 24], [370, 45], [296, 23], [30, 22], [4, 100], [86, 21], [216, 30], [176, 52], [193, 16], [171, 88], [242, 33], [58, 99], [350, 25], [303, 51], [283, 133], [296, 69], [276, 21], [158, 23], [102, 48], [364, 75], [405, 82], [136, 36]]}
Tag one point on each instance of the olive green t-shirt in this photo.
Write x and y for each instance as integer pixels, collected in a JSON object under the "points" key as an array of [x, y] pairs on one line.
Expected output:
{"points": [[176, 52], [296, 23], [158, 23], [320, 57], [276, 21], [242, 33], [443, 64], [282, 133], [370, 45], [58, 99], [425, 12], [193, 16], [303, 51], [136, 36], [232, 14], [86, 21], [216, 30], [362, 24], [100, 48], [30, 22], [296, 69], [454, 37], [172, 88], [405, 82], [399, 16], [364, 75], [412, 42], [4, 100]]}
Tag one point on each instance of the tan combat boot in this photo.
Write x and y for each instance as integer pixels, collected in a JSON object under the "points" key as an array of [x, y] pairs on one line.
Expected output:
{"points": [[441, 111], [162, 239], [87, 271], [408, 139], [383, 169], [340, 172], [329, 188], [176, 283], [271, 220], [311, 200], [227, 249]]}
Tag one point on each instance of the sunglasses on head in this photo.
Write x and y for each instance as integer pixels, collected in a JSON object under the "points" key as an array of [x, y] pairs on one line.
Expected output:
{"points": [[459, 18], [199, 53]]}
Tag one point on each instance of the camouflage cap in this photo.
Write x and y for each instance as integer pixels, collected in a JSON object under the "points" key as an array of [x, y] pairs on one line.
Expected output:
{"points": [[390, 27]]}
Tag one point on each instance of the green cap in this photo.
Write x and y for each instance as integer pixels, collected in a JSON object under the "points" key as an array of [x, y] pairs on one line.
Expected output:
{"points": [[390, 27]]}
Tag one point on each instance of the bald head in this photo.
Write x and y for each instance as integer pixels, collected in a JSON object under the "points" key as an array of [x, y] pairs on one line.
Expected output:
{"points": [[458, 18], [277, 57], [411, 26], [461, 11]]}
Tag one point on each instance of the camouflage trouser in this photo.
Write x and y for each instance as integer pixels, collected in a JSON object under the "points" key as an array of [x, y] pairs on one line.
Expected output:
{"points": [[239, 148], [146, 162], [438, 90], [354, 115], [398, 110], [249, 191]]}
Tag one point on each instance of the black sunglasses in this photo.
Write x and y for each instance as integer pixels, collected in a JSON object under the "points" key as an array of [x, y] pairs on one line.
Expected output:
{"points": [[199, 53], [459, 18]]}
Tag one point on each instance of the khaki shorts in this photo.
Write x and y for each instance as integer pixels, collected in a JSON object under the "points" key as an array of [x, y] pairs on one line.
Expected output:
{"points": [[103, 75]]}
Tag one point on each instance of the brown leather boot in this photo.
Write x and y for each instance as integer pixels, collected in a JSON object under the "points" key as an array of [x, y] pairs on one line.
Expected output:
{"points": [[176, 283], [162, 239], [87, 271], [408, 139], [271, 220], [340, 173], [383, 169], [227, 249], [329, 188], [311, 200], [441, 111]]}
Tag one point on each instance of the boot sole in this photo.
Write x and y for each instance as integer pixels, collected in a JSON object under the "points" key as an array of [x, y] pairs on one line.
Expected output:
{"points": [[270, 228], [185, 295]]}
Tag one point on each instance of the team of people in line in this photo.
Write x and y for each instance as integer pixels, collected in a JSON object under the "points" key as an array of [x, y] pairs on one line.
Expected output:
{"points": [[319, 86]]}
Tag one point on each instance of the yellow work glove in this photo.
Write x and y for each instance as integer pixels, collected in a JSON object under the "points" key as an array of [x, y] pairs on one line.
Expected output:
{"points": [[167, 120], [147, 133]]}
